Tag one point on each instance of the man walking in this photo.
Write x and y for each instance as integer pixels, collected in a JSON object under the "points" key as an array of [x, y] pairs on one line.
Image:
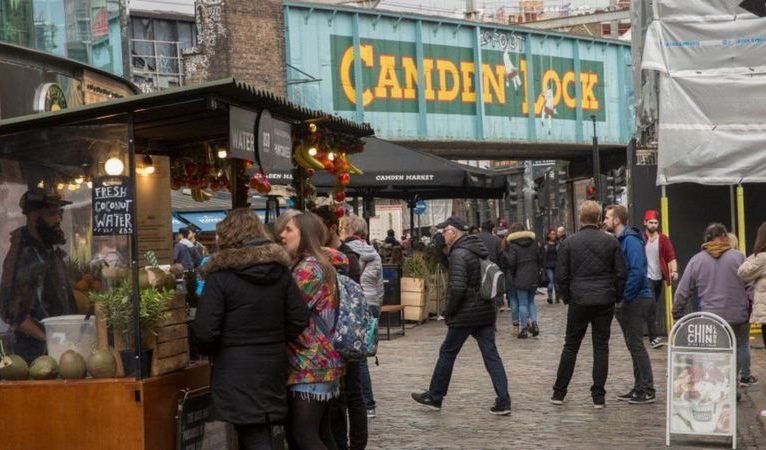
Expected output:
{"points": [[637, 299], [661, 265], [590, 277], [492, 242], [466, 314]]}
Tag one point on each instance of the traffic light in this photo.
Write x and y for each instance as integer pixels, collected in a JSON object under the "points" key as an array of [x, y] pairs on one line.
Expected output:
{"points": [[513, 194], [591, 191], [620, 181], [608, 182]]}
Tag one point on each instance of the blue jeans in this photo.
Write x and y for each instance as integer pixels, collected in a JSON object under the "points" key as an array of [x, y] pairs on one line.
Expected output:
{"points": [[551, 272], [513, 303], [453, 342], [742, 332], [364, 369], [527, 308]]}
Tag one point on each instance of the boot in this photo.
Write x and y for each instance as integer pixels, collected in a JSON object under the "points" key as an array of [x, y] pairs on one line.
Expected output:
{"points": [[515, 329], [523, 334], [558, 298], [535, 329], [530, 327], [550, 296]]}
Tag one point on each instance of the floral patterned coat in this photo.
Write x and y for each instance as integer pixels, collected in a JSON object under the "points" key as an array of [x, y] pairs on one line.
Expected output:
{"points": [[311, 356]]}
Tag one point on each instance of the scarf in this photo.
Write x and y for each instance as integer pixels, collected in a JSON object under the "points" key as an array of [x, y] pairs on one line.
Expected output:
{"points": [[716, 248]]}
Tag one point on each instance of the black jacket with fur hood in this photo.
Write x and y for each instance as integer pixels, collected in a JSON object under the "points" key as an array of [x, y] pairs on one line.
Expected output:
{"points": [[523, 259], [249, 310]]}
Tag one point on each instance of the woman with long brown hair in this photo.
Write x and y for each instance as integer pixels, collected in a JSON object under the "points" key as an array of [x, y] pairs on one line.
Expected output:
{"points": [[249, 310], [753, 270], [315, 368]]}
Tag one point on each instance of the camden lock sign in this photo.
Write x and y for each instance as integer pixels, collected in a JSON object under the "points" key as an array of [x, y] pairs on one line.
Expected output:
{"points": [[390, 80], [702, 378]]}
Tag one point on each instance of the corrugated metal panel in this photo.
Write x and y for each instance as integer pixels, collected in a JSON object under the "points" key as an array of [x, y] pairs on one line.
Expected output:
{"points": [[562, 80], [185, 7]]}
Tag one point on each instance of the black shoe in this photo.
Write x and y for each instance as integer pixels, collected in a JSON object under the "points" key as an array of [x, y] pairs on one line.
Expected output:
{"points": [[627, 396], [535, 329], [642, 398], [523, 334], [749, 381], [426, 400], [599, 402], [500, 410], [550, 301], [557, 398]]}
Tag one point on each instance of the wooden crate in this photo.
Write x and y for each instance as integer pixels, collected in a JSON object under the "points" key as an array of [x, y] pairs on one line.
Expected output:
{"points": [[415, 313], [412, 284], [170, 349], [413, 298]]}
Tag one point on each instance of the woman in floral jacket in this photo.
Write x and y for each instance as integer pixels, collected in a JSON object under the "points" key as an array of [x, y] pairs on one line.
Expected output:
{"points": [[314, 367]]}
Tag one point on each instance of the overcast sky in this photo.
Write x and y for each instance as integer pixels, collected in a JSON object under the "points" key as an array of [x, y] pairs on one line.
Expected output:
{"points": [[455, 7]]}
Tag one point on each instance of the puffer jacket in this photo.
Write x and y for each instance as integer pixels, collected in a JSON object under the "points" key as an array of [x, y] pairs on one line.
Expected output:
{"points": [[753, 270], [250, 309], [591, 268], [371, 266], [523, 259], [637, 284], [464, 308]]}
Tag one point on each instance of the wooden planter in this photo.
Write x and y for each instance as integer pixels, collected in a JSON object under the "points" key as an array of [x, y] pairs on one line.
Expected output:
{"points": [[413, 294]]}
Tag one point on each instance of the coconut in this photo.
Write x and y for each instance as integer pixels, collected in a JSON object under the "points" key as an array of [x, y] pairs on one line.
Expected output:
{"points": [[16, 368], [44, 368], [72, 365], [101, 364]]}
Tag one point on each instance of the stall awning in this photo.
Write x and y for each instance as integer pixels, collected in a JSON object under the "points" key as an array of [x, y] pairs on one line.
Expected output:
{"points": [[205, 221], [177, 225]]}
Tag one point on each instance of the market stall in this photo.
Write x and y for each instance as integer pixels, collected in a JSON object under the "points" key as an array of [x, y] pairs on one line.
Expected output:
{"points": [[91, 310]]}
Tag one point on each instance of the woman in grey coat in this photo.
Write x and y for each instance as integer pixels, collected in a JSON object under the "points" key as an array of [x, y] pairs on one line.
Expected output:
{"points": [[371, 280]]}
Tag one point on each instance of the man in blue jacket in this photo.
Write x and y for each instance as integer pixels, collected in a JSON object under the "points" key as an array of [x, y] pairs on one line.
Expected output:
{"points": [[636, 303]]}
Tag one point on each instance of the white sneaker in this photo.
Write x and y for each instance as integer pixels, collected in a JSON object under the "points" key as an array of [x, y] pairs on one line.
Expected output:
{"points": [[371, 413], [656, 342]]}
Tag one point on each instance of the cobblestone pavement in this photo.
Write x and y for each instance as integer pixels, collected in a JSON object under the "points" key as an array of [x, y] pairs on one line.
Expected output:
{"points": [[406, 364]]}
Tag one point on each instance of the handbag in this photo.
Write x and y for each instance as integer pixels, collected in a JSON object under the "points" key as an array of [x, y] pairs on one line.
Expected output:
{"points": [[542, 277]]}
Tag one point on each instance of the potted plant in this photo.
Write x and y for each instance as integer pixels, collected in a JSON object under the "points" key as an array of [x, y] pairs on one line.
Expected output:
{"points": [[415, 272], [118, 310]]}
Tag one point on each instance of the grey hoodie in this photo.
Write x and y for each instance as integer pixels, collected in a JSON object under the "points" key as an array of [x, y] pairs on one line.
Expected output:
{"points": [[372, 271], [717, 286]]}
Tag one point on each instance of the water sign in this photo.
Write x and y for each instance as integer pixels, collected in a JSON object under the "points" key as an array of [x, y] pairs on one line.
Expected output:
{"points": [[114, 206], [702, 378]]}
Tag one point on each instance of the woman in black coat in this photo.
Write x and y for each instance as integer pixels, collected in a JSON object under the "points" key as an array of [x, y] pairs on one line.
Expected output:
{"points": [[523, 259], [249, 310]]}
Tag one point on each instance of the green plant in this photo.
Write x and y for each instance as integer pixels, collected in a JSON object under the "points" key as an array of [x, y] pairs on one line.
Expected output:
{"points": [[416, 266], [118, 307]]}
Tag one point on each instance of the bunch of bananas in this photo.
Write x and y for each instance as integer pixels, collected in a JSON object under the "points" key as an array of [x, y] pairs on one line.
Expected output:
{"points": [[200, 195], [305, 159]]}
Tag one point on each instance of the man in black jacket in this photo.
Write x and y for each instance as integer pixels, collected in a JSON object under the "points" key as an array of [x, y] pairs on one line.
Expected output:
{"points": [[590, 275], [467, 314]]}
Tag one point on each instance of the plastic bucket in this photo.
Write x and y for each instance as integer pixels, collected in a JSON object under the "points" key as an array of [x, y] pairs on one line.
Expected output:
{"points": [[73, 332]]}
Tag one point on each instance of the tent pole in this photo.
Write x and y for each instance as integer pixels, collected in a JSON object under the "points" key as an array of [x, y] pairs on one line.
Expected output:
{"points": [[733, 208], [741, 217], [411, 204], [665, 218]]}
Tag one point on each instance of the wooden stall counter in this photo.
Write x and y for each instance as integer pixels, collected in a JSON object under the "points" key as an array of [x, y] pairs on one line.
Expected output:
{"points": [[117, 413]]}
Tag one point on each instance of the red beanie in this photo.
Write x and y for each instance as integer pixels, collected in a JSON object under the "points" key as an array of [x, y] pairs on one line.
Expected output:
{"points": [[651, 215]]}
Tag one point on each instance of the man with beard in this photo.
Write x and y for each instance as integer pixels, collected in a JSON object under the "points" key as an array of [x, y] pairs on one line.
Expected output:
{"points": [[661, 265], [34, 284]]}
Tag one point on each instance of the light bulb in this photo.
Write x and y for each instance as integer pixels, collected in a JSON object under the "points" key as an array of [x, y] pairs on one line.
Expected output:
{"points": [[148, 165], [41, 184], [331, 156], [72, 187], [90, 184], [222, 153], [313, 151], [149, 170], [79, 180], [312, 127], [114, 166], [60, 187]]}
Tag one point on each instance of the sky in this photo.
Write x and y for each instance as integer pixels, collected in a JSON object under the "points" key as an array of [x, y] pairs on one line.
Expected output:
{"points": [[455, 7]]}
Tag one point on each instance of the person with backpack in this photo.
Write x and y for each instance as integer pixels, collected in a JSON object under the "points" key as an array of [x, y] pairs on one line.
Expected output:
{"points": [[349, 421], [315, 366], [466, 314], [523, 260], [371, 280], [250, 309]]}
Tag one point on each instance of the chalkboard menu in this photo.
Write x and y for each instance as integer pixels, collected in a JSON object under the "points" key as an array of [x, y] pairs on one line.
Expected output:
{"points": [[114, 206]]}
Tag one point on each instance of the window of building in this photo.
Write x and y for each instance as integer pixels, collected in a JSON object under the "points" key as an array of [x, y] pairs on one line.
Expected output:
{"points": [[157, 46]]}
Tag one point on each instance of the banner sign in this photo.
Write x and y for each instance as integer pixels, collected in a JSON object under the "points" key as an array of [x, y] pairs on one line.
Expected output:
{"points": [[241, 133], [702, 378], [390, 77], [275, 143], [114, 206]]}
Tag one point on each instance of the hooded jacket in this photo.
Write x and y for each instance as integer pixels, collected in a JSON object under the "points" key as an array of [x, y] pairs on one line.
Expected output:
{"points": [[371, 266], [523, 259], [711, 276], [637, 284], [464, 307], [249, 310], [753, 270]]}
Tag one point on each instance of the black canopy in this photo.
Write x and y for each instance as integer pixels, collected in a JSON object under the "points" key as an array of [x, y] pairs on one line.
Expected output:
{"points": [[393, 171]]}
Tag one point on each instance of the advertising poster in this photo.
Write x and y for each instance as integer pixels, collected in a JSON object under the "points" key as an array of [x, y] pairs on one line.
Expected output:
{"points": [[701, 400]]}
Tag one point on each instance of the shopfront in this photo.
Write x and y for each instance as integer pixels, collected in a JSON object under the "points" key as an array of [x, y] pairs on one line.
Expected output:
{"points": [[86, 194]]}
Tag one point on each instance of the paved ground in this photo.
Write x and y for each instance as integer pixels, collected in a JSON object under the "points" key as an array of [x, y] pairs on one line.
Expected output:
{"points": [[406, 364]]}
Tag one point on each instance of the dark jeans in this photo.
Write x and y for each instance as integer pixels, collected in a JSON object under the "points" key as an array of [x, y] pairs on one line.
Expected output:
{"points": [[364, 370], [651, 319], [453, 342], [349, 417], [632, 316], [578, 317], [254, 437]]}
